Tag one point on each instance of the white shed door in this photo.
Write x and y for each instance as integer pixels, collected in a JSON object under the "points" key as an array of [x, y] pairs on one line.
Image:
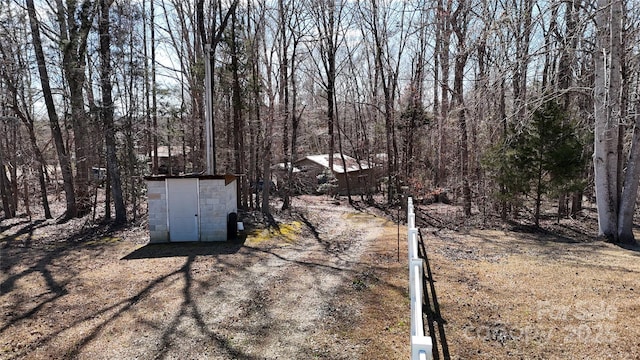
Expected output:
{"points": [[183, 209]]}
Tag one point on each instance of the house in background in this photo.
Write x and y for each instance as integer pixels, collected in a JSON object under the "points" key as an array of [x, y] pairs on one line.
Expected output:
{"points": [[361, 176], [171, 159], [279, 173]]}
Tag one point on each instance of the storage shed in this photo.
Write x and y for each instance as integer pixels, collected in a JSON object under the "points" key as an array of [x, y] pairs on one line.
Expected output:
{"points": [[191, 207]]}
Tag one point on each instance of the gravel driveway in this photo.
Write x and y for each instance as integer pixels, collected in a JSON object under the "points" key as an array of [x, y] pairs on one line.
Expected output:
{"points": [[286, 295]]}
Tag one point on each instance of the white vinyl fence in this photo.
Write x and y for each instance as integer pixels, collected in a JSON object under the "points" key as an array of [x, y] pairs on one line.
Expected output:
{"points": [[421, 345]]}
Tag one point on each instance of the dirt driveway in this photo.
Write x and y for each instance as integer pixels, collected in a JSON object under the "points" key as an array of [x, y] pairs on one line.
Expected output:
{"points": [[315, 288]]}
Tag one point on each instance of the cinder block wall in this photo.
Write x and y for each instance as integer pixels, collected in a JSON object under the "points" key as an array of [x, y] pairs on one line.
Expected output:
{"points": [[216, 202], [157, 202]]}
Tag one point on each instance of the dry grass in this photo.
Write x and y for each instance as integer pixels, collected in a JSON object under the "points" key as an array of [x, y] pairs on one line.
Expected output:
{"points": [[514, 295]]}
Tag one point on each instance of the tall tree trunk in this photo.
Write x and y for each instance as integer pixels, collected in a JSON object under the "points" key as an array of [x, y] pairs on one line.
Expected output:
{"points": [[209, 46], [482, 107], [41, 165], [436, 99], [344, 164], [266, 169], [80, 123], [27, 208], [255, 129], [608, 81], [13, 141], [460, 27], [565, 65], [284, 101], [107, 197], [56, 132], [107, 112], [385, 82], [237, 103], [295, 117], [4, 189], [632, 175], [267, 137], [550, 57], [154, 91], [502, 109], [538, 202], [295, 123], [75, 27], [331, 79], [443, 58]]}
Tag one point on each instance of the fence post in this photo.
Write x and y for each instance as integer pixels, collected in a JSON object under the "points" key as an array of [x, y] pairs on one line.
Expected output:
{"points": [[412, 237], [421, 345], [411, 216]]}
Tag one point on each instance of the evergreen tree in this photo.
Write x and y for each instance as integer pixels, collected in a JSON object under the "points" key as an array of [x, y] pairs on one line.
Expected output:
{"points": [[543, 158]]}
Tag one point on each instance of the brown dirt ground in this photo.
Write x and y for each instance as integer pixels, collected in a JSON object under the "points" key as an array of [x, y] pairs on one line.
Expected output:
{"points": [[326, 284], [323, 285]]}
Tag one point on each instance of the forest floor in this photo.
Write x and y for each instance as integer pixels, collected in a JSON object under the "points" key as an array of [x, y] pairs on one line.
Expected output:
{"points": [[325, 283]]}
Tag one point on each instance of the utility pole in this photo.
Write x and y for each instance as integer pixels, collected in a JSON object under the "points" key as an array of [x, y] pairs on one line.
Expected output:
{"points": [[210, 128]]}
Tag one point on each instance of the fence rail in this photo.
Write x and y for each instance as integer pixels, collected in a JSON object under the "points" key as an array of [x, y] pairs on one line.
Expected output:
{"points": [[421, 345]]}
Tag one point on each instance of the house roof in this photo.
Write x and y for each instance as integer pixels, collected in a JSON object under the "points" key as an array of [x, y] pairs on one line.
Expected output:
{"points": [[282, 167], [163, 151], [323, 160]]}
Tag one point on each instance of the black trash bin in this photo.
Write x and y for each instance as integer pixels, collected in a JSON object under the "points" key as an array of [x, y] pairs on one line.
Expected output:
{"points": [[232, 226]]}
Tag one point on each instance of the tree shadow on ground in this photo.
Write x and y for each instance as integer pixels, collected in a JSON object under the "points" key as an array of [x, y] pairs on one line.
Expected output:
{"points": [[314, 231], [27, 229], [39, 256], [435, 322], [16, 221], [11, 253], [308, 264], [188, 308], [42, 253], [181, 249], [631, 247], [42, 259]]}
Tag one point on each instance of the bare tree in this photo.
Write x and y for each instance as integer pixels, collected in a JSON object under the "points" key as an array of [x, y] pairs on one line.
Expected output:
{"points": [[443, 41], [13, 72], [75, 21], [328, 16], [615, 193], [107, 111], [63, 156], [284, 37], [6, 192], [608, 81], [384, 24], [459, 25], [523, 31], [238, 103], [268, 64]]}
